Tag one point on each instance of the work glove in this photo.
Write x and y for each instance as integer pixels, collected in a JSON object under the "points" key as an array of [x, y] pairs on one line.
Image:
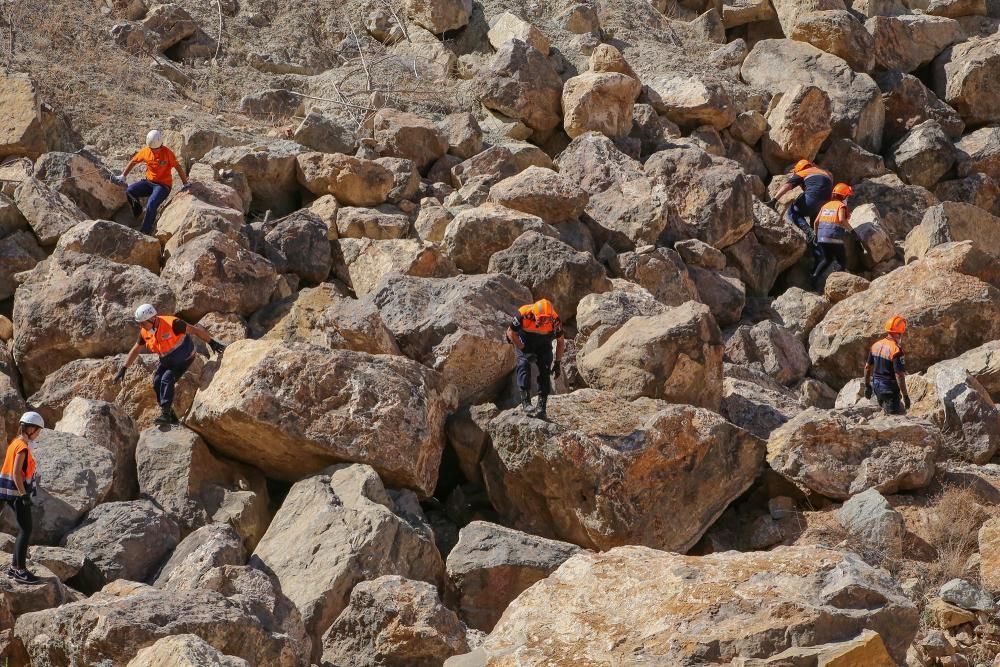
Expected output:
{"points": [[771, 201], [556, 367], [25, 500], [868, 391], [118, 180], [216, 346], [906, 402], [120, 375], [185, 187]]}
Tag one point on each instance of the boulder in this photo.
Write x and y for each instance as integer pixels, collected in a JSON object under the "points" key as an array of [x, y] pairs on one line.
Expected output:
{"points": [[498, 162], [381, 223], [966, 595], [956, 285], [771, 349], [923, 156], [758, 407], [491, 565], [979, 152], [606, 312], [112, 241], [711, 195], [541, 192], [839, 454], [346, 528], [177, 471], [11, 219], [19, 252], [908, 103], [455, 326], [475, 234], [741, 12], [509, 26], [858, 113], [982, 363], [124, 540], [326, 135], [723, 293], [408, 136], [655, 606], [708, 462], [908, 41], [977, 189], [798, 122], [394, 621], [783, 241], [837, 31], [170, 24], [465, 137], [50, 214], [599, 102], [434, 61], [790, 13], [115, 623], [213, 545], [628, 211], [214, 273], [868, 518], [369, 261], [522, 84], [432, 222], [295, 244], [383, 410], [799, 311], [183, 651], [551, 270], [353, 181], [899, 206], [691, 100], [870, 232], [866, 649], [850, 162], [841, 285], [23, 133], [405, 178], [17, 599], [322, 316], [191, 214], [989, 552], [963, 76], [439, 16], [957, 8], [754, 263], [106, 425], [270, 170], [82, 178], [950, 222], [954, 401], [98, 296], [660, 271]]}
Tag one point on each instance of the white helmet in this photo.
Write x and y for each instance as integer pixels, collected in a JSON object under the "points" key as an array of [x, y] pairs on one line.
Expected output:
{"points": [[154, 139], [32, 419], [145, 312]]}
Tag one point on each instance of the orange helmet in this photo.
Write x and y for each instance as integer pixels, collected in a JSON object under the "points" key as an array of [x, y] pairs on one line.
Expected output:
{"points": [[802, 164], [843, 190], [896, 324], [543, 308]]}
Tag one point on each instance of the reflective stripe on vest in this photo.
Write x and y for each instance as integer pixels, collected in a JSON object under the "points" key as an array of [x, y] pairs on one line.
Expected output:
{"points": [[163, 340], [886, 348], [828, 226], [8, 489], [538, 318]]}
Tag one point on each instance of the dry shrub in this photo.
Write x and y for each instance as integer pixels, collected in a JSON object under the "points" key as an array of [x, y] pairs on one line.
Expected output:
{"points": [[953, 530]]}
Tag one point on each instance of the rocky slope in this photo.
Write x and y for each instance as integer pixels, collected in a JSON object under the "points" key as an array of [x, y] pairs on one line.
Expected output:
{"points": [[378, 185]]}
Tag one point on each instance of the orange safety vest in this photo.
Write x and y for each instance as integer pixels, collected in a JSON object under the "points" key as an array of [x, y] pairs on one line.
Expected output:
{"points": [[813, 171], [162, 340], [539, 317], [886, 348], [828, 226], [8, 489]]}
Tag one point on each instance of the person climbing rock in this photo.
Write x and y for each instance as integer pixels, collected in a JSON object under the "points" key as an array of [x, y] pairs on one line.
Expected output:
{"points": [[885, 371], [17, 485], [832, 231], [817, 188], [160, 163], [169, 338], [534, 328]]}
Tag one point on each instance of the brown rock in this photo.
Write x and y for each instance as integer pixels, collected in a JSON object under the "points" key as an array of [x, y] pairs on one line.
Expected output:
{"points": [[50, 214], [191, 214], [406, 135], [599, 102], [841, 285], [22, 134], [475, 234], [908, 103], [437, 16], [106, 425], [924, 155], [989, 551], [295, 244], [691, 101], [325, 135], [184, 651], [899, 206], [270, 171], [771, 349], [798, 124], [18, 252], [381, 223], [353, 181], [659, 270], [465, 137], [213, 545], [81, 177], [520, 83], [908, 41], [112, 241], [369, 261], [961, 78], [977, 189], [979, 151], [949, 222], [541, 192], [508, 26]]}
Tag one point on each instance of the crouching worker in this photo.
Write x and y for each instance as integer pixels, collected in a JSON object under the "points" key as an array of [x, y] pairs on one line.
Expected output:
{"points": [[160, 162], [832, 231], [17, 485], [885, 372], [534, 328], [169, 338]]}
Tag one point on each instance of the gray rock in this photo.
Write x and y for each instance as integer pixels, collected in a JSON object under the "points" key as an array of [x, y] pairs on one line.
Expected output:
{"points": [[961, 593], [868, 517], [212, 545]]}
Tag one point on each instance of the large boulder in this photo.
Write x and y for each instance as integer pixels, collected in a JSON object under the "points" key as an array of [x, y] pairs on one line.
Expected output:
{"points": [[295, 244], [455, 326], [352, 180], [270, 171], [712, 196], [405, 135], [659, 271], [340, 528], [964, 77], [634, 605], [521, 83], [869, 518], [908, 103], [326, 135], [691, 100], [840, 453], [491, 565], [178, 472], [754, 262], [977, 189], [858, 113], [958, 284], [97, 296], [599, 102], [924, 155], [785, 242], [498, 162], [798, 122], [953, 221], [475, 234], [112, 241], [900, 207], [191, 214], [541, 192], [106, 425], [116, 623], [19, 252], [979, 152], [124, 540], [213, 273], [380, 223], [439, 16], [677, 461], [755, 404], [81, 177], [551, 270], [184, 651], [771, 349], [50, 213], [23, 133], [982, 363], [722, 292], [837, 31], [213, 545], [906, 42], [394, 622], [386, 411], [368, 261], [676, 357], [799, 311]]}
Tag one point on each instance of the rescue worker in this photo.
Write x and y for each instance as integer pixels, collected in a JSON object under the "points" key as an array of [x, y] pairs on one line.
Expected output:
{"points": [[17, 485], [160, 162], [817, 188], [534, 328], [832, 231], [885, 372], [169, 338]]}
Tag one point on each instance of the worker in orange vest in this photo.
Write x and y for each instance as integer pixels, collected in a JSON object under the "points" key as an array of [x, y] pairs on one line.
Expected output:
{"points": [[832, 231], [17, 485], [160, 162], [885, 371], [817, 188], [169, 338], [534, 328]]}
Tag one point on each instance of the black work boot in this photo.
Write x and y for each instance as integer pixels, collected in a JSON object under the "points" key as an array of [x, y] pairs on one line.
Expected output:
{"points": [[542, 404], [525, 402], [164, 418], [174, 419], [135, 205]]}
